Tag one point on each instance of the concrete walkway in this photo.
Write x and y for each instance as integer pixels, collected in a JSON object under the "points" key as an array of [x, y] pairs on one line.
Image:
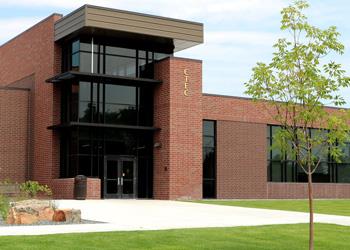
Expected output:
{"points": [[127, 215]]}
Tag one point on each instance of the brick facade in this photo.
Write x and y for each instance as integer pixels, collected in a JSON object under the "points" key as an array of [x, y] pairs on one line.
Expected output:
{"points": [[241, 160], [14, 106], [33, 56], [64, 188], [28, 150], [178, 162], [299, 190], [242, 150]]}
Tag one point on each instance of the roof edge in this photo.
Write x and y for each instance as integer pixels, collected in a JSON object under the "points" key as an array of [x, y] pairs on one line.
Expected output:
{"points": [[251, 99], [141, 14], [28, 29]]}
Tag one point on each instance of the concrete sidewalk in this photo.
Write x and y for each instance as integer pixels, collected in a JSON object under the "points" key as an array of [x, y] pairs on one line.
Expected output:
{"points": [[131, 215]]}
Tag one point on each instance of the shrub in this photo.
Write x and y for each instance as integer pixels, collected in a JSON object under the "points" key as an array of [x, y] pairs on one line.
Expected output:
{"points": [[32, 188], [4, 207], [6, 182]]}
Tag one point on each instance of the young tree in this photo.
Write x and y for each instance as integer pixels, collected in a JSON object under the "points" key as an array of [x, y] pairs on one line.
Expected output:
{"points": [[296, 86]]}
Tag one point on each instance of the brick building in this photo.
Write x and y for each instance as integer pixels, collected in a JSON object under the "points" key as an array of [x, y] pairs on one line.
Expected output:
{"points": [[100, 93]]}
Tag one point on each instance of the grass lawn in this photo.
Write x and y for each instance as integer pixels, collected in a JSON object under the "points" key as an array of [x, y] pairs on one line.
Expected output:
{"points": [[336, 207], [261, 237]]}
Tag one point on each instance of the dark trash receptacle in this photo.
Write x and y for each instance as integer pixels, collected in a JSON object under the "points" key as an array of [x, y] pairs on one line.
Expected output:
{"points": [[80, 183]]}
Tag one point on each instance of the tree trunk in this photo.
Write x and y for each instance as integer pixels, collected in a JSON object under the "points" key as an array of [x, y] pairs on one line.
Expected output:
{"points": [[311, 211]]}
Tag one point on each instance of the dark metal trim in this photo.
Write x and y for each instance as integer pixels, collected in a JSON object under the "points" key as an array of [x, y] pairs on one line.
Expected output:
{"points": [[100, 125], [121, 80]]}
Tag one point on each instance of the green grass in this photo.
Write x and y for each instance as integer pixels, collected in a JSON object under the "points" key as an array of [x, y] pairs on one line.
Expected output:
{"points": [[335, 207], [261, 237]]}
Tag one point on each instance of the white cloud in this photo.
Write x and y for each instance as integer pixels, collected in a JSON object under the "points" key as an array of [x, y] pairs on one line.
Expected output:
{"points": [[233, 37], [11, 27]]}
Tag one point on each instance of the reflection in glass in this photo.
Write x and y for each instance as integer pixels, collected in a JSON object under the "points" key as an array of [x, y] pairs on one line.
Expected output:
{"points": [[209, 160], [120, 114], [120, 94], [120, 66]]}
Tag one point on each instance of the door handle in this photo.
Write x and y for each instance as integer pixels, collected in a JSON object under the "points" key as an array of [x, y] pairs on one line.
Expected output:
{"points": [[122, 181], [118, 181]]}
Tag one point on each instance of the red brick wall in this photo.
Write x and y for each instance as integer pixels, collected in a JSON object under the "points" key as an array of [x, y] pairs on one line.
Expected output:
{"points": [[178, 162], [234, 109], [239, 109], [14, 106], [34, 52], [241, 160], [241, 153], [64, 188], [299, 190]]}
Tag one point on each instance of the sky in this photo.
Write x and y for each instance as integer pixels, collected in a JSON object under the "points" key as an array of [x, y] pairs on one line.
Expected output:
{"points": [[237, 33]]}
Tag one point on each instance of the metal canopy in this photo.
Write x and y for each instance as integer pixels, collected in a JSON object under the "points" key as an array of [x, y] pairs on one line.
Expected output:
{"points": [[100, 125], [109, 79]]}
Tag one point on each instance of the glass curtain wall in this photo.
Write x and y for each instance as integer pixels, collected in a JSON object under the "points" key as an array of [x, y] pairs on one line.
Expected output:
{"points": [[283, 168], [97, 102], [109, 59], [90, 104]]}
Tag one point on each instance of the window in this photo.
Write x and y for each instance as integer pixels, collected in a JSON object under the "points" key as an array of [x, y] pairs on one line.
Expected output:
{"points": [[120, 105], [209, 159], [109, 59], [85, 106], [75, 55], [83, 151], [282, 168], [93, 102]]}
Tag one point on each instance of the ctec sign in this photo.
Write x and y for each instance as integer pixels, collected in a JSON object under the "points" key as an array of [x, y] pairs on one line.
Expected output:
{"points": [[186, 75]]}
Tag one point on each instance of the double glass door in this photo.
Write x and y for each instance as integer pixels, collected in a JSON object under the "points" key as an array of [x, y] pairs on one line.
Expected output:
{"points": [[120, 179]]}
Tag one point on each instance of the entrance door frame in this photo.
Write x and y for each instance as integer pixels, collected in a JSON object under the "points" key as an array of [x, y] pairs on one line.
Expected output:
{"points": [[119, 159]]}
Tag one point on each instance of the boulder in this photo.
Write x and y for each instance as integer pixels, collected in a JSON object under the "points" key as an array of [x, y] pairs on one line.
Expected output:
{"points": [[72, 215], [59, 216], [29, 212], [35, 211], [46, 214]]}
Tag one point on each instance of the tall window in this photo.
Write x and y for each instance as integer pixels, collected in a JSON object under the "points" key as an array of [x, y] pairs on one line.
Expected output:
{"points": [[284, 168], [94, 102], [209, 159]]}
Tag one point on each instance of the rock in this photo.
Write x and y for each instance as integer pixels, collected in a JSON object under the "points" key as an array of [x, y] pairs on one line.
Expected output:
{"points": [[59, 216], [72, 215], [27, 219], [46, 214], [36, 211], [30, 212]]}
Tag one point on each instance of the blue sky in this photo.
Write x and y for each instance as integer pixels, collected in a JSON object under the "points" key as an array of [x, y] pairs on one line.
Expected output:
{"points": [[238, 33]]}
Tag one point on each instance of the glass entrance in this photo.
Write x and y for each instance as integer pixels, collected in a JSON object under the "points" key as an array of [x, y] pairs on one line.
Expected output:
{"points": [[120, 179]]}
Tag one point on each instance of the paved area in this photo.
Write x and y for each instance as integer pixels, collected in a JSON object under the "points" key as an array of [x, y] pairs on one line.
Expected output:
{"points": [[125, 215]]}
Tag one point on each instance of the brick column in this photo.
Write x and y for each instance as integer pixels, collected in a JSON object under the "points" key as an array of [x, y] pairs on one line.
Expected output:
{"points": [[178, 113]]}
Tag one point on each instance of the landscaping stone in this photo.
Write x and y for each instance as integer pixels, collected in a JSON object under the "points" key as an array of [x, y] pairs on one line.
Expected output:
{"points": [[37, 211], [59, 216], [72, 215]]}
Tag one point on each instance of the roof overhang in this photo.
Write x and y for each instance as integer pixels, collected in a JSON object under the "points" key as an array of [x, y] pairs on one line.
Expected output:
{"points": [[96, 20], [71, 76], [70, 125]]}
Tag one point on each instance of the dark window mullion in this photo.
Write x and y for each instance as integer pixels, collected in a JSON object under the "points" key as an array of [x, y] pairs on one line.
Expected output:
{"points": [[137, 64], [137, 106], [91, 100]]}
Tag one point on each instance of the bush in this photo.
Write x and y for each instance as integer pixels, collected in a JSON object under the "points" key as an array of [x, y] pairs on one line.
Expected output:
{"points": [[6, 182], [33, 188], [4, 207]]}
